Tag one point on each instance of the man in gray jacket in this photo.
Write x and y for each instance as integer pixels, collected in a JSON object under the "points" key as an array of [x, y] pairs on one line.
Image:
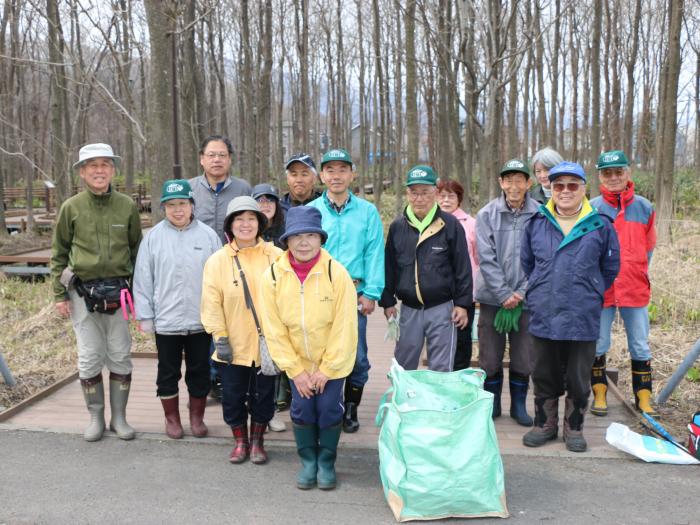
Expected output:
{"points": [[501, 288], [212, 192], [216, 187]]}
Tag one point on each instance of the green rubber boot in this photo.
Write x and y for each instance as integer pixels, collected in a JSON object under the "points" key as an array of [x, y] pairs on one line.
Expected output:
{"points": [[94, 393], [327, 451], [119, 387], [306, 437]]}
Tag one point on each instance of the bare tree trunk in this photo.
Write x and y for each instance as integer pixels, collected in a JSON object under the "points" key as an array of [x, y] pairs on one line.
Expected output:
{"points": [[192, 122], [160, 123], [666, 134], [554, 79], [59, 106], [631, 64], [264, 95], [412, 126], [573, 57], [539, 67], [595, 89]]}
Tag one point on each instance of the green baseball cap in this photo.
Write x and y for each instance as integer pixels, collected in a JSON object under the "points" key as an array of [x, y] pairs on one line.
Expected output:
{"points": [[176, 189], [336, 154], [612, 159], [515, 166], [421, 175]]}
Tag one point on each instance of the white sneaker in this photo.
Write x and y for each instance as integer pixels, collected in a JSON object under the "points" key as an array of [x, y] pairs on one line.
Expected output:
{"points": [[277, 425]]}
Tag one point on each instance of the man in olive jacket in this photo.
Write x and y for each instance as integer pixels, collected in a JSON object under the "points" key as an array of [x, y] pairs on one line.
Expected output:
{"points": [[94, 247]]}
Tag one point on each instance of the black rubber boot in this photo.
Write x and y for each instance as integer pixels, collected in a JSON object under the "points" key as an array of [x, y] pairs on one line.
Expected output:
{"points": [[641, 385], [353, 396], [599, 385], [518, 394], [494, 384]]}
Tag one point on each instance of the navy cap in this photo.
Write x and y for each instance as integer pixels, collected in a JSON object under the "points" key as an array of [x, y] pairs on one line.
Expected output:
{"points": [[265, 189], [304, 158], [303, 219]]}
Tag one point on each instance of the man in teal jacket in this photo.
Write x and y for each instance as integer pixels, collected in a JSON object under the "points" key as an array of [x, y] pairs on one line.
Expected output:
{"points": [[356, 240], [93, 253]]}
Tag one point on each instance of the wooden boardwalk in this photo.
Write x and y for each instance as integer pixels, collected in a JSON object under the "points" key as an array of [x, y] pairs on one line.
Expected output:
{"points": [[64, 410]]}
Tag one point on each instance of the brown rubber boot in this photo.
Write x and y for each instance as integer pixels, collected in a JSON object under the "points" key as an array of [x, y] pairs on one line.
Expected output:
{"points": [[197, 406], [257, 448], [546, 423], [574, 411], [171, 408], [240, 452]]}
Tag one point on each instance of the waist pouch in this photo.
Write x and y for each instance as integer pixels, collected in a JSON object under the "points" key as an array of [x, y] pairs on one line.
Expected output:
{"points": [[102, 295]]}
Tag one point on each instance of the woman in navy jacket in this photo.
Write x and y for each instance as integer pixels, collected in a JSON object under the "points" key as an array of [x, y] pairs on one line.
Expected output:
{"points": [[571, 255]]}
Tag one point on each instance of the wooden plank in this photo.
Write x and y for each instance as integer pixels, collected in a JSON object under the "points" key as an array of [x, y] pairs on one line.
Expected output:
{"points": [[25, 270], [7, 414]]}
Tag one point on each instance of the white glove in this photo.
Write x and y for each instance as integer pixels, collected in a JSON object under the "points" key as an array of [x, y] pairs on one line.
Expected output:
{"points": [[393, 331]]}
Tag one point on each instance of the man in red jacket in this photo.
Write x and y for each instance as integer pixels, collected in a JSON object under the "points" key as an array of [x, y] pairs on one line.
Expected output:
{"points": [[634, 218]]}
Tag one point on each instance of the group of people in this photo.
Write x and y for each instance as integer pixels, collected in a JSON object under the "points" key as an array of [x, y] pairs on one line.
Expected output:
{"points": [[234, 273]]}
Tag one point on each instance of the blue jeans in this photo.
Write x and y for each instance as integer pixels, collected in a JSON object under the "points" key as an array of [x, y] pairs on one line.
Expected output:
{"points": [[636, 322], [325, 410], [246, 391], [360, 372]]}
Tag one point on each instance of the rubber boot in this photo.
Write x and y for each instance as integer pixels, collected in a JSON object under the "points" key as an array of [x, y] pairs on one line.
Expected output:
{"points": [[327, 451], [197, 406], [518, 394], [306, 437], [546, 423], [353, 396], [171, 407], [240, 452], [94, 393], [119, 387], [494, 384], [641, 385], [599, 385], [284, 393], [574, 411], [257, 443]]}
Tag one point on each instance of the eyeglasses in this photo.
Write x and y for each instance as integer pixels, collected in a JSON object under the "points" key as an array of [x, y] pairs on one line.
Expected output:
{"points": [[571, 186], [422, 195], [216, 155], [264, 200]]}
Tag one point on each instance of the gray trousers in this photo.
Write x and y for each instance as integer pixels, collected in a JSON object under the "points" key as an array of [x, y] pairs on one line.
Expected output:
{"points": [[434, 327], [492, 345], [103, 340]]}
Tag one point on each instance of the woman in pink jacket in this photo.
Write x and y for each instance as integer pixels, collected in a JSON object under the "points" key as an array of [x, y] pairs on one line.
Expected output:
{"points": [[450, 195]]}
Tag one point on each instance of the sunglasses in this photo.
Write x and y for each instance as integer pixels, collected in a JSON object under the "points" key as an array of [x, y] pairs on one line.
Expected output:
{"points": [[561, 186]]}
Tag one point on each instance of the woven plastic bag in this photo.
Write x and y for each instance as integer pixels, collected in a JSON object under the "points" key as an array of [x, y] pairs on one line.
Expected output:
{"points": [[438, 452]]}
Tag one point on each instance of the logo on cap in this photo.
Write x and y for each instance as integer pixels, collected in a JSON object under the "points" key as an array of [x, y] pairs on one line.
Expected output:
{"points": [[174, 188], [611, 158], [514, 164], [419, 173], [335, 153]]}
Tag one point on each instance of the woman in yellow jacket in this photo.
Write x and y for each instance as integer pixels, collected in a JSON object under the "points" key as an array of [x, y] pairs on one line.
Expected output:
{"points": [[310, 311], [226, 315]]}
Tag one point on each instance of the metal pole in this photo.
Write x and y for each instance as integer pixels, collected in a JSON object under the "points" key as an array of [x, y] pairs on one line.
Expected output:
{"points": [[177, 168], [679, 374], [6, 374]]}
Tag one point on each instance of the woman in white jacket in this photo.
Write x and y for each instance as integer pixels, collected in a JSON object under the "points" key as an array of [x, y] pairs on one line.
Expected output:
{"points": [[167, 293]]}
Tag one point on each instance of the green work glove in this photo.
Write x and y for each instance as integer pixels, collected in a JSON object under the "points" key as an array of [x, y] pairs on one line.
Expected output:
{"points": [[499, 321]]}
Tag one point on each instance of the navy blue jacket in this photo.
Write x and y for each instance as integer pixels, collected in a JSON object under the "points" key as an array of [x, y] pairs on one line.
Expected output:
{"points": [[567, 276]]}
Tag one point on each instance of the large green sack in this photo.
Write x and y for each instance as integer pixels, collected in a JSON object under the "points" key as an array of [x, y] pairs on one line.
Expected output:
{"points": [[438, 452]]}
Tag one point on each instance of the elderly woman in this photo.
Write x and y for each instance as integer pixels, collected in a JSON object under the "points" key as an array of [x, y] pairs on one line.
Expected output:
{"points": [[229, 313], [543, 161], [450, 195], [310, 311], [571, 255], [167, 293]]}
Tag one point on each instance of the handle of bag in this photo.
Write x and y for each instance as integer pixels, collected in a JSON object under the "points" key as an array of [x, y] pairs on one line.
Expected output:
{"points": [[125, 299], [248, 297], [383, 406]]}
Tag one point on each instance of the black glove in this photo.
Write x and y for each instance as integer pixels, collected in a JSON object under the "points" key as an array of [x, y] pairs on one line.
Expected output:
{"points": [[223, 350]]}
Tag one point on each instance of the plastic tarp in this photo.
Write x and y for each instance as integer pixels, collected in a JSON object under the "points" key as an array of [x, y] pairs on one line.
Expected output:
{"points": [[438, 451]]}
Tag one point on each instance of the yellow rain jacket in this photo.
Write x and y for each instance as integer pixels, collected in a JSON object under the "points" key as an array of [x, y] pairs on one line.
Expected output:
{"points": [[312, 326], [223, 309]]}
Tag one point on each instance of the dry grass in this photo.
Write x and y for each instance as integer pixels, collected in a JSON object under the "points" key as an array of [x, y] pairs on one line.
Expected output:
{"points": [[22, 242], [39, 346]]}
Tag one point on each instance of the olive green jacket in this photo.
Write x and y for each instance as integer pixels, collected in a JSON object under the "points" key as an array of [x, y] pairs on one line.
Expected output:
{"points": [[97, 236]]}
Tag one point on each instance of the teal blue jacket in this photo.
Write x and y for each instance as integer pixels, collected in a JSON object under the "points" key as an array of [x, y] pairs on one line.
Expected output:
{"points": [[356, 240]]}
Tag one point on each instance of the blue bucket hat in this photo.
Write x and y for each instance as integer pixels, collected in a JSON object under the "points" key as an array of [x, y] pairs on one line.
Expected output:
{"points": [[567, 168], [303, 219]]}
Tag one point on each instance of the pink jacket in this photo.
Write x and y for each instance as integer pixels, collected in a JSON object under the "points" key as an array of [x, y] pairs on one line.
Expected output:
{"points": [[469, 224]]}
